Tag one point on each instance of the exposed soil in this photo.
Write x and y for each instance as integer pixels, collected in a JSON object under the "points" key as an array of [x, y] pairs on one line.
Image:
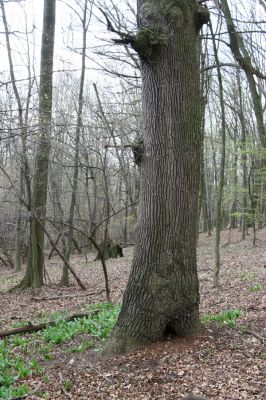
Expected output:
{"points": [[223, 363]]}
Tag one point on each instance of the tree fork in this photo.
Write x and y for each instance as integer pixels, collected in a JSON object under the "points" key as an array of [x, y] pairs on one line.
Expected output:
{"points": [[148, 40]]}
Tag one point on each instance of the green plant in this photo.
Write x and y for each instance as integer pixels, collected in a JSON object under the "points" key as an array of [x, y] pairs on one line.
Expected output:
{"points": [[247, 277], [11, 392], [83, 346], [255, 288], [7, 279], [19, 341], [227, 317], [54, 316], [68, 384], [13, 367], [14, 352], [98, 325], [45, 349]]}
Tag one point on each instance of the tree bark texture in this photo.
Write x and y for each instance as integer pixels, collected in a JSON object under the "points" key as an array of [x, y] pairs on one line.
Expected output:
{"points": [[162, 294]]}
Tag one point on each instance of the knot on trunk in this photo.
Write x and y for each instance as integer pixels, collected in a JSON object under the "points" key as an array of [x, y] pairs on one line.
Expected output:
{"points": [[202, 17], [138, 152]]}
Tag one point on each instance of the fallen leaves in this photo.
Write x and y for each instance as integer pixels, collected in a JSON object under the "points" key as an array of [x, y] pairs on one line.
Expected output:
{"points": [[223, 364]]}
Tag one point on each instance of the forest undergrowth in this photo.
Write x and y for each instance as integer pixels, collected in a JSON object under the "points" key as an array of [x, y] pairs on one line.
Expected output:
{"points": [[227, 362]]}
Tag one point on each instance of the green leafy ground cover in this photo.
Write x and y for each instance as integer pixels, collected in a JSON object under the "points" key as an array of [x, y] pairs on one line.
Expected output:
{"points": [[220, 362], [228, 317], [16, 353], [16, 362]]}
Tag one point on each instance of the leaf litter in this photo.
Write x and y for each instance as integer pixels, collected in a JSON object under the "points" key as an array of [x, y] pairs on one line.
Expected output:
{"points": [[224, 363]]}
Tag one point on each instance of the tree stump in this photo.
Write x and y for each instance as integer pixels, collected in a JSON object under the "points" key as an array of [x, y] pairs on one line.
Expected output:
{"points": [[110, 249]]}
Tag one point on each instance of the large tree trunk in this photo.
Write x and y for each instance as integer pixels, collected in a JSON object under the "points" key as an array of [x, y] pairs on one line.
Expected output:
{"points": [[34, 273], [162, 294]]}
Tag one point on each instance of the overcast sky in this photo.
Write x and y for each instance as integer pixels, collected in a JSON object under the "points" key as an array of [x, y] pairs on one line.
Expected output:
{"points": [[68, 31]]}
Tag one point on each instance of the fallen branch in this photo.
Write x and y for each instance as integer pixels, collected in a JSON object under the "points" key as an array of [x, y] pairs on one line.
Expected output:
{"points": [[39, 327], [61, 255], [255, 334], [216, 304], [66, 297], [4, 262]]}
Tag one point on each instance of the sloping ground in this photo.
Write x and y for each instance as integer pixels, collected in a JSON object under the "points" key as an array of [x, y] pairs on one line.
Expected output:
{"points": [[224, 363]]}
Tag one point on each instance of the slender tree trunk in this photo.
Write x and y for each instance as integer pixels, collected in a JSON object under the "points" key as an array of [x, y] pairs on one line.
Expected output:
{"points": [[205, 212], [18, 231], [253, 197], [125, 226], [106, 186], [70, 236], [34, 273], [233, 216], [162, 294], [22, 122], [219, 216], [243, 160], [243, 58]]}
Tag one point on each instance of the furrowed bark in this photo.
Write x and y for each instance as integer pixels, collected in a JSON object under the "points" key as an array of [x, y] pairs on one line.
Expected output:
{"points": [[162, 294]]}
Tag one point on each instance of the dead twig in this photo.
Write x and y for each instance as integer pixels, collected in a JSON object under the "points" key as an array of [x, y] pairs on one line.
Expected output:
{"points": [[255, 334], [62, 386], [4, 262]]}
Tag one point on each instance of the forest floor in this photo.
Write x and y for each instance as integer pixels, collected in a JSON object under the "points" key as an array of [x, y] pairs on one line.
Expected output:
{"points": [[224, 363]]}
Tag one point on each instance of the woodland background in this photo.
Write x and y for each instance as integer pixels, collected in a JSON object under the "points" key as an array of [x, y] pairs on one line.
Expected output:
{"points": [[96, 123]]}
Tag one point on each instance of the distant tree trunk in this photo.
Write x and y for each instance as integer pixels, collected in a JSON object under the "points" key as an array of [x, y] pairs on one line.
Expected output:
{"points": [[70, 236], [125, 172], [253, 197], [203, 203], [18, 231], [106, 183], [219, 216], [162, 294], [125, 226], [34, 272], [233, 211], [5, 251], [243, 58], [24, 171], [243, 159], [91, 176], [205, 212]]}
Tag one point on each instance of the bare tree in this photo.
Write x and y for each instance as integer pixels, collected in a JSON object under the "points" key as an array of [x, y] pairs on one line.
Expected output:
{"points": [[34, 273]]}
